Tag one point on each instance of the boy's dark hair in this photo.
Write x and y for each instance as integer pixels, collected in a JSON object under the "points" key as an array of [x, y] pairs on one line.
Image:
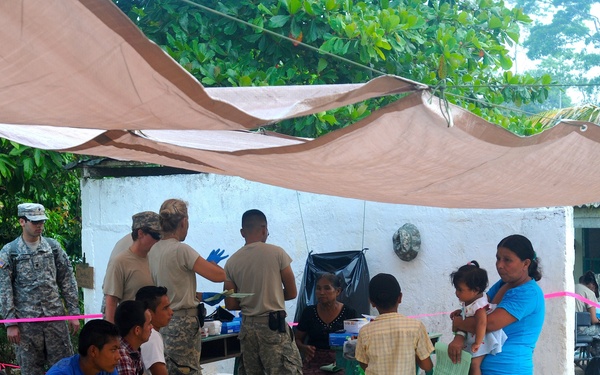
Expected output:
{"points": [[129, 314], [253, 218], [150, 296], [96, 332], [384, 291], [474, 277]]}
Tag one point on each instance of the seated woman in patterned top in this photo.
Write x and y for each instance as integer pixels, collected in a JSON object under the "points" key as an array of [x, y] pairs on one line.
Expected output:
{"points": [[318, 321]]}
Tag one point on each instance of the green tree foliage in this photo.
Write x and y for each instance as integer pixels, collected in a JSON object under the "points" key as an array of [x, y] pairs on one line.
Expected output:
{"points": [[458, 47], [33, 175], [558, 96], [587, 112], [566, 34]]}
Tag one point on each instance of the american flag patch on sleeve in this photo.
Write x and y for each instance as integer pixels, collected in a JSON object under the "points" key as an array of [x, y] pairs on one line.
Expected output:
{"points": [[2, 263]]}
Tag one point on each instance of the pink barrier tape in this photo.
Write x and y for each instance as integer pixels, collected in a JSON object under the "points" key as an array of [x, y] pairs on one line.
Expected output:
{"points": [[546, 296], [571, 294], [99, 316], [7, 365], [426, 315], [45, 319], [51, 318]]}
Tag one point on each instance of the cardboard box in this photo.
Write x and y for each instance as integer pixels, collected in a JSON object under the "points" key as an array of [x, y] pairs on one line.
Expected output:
{"points": [[354, 325], [230, 327], [338, 339]]}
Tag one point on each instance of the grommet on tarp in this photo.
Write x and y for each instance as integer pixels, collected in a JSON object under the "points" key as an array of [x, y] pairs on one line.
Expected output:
{"points": [[407, 242]]}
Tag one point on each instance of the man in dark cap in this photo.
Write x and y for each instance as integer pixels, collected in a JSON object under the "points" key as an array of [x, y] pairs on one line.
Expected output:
{"points": [[36, 280], [129, 270]]}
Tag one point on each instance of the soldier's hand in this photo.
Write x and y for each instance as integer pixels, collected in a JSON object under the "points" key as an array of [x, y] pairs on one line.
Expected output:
{"points": [[216, 256], [13, 334], [74, 325]]}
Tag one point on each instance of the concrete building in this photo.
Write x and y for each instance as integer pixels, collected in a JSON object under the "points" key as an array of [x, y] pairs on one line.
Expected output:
{"points": [[303, 222]]}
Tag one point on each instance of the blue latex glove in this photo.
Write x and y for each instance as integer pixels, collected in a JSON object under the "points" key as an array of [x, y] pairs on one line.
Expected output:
{"points": [[207, 295], [216, 256]]}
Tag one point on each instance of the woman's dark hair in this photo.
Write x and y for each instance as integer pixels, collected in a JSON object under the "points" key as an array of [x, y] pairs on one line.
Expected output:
{"points": [[332, 278], [590, 278], [522, 247], [96, 332], [474, 277]]}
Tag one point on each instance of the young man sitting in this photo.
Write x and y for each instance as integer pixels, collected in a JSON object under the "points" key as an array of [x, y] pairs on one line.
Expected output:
{"points": [[155, 299], [98, 351], [133, 321]]}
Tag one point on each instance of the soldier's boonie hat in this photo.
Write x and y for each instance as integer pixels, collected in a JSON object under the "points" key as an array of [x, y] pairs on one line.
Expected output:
{"points": [[146, 219], [32, 211]]}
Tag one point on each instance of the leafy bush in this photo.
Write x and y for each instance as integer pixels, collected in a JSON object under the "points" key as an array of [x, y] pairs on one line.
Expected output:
{"points": [[33, 175]]}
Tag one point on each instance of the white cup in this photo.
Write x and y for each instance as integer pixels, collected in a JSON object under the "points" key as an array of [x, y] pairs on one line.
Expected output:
{"points": [[214, 327]]}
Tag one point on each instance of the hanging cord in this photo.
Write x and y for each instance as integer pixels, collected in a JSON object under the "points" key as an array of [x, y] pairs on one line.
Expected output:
{"points": [[363, 229], [302, 219], [294, 41], [443, 103]]}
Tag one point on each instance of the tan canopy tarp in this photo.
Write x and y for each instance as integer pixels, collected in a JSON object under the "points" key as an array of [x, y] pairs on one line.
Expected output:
{"points": [[78, 76]]}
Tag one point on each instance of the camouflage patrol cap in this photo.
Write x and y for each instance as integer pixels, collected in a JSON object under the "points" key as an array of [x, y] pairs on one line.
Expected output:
{"points": [[32, 211], [146, 219]]}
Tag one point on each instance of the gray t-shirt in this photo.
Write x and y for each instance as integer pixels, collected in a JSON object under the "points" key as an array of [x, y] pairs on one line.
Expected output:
{"points": [[172, 266], [585, 292], [125, 275], [256, 268]]}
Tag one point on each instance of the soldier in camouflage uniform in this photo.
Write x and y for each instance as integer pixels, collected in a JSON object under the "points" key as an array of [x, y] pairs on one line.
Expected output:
{"points": [[34, 273], [265, 271]]}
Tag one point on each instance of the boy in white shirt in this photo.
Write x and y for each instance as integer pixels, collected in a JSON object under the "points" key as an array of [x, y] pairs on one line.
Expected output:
{"points": [[153, 352]]}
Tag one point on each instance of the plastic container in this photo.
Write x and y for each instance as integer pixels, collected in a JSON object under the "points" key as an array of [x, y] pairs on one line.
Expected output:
{"points": [[214, 327], [231, 327], [354, 325]]}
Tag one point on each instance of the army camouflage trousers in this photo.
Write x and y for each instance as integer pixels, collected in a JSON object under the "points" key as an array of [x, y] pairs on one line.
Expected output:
{"points": [[182, 339], [268, 352], [42, 345]]}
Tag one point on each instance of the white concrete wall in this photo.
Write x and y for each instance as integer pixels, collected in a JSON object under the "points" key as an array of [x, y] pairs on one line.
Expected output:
{"points": [[301, 222]]}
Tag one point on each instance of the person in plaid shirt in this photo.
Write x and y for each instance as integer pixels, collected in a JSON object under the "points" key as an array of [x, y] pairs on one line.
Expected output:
{"points": [[134, 324], [391, 343]]}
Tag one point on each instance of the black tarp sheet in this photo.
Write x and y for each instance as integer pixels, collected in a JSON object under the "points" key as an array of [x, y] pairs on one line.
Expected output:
{"points": [[350, 266]]}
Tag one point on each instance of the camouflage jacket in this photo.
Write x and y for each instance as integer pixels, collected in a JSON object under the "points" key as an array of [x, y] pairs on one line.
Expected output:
{"points": [[34, 283]]}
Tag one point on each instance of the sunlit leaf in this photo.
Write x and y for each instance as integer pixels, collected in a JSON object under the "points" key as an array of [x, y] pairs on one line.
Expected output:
{"points": [[278, 21], [322, 65]]}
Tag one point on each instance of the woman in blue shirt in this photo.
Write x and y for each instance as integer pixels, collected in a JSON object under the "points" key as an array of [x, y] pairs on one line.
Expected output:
{"points": [[520, 310]]}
